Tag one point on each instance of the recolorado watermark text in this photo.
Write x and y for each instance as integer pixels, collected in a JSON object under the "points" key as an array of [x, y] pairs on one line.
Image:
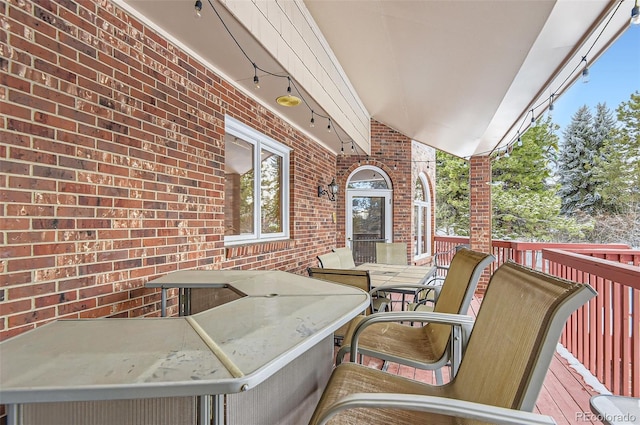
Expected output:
{"points": [[626, 418]]}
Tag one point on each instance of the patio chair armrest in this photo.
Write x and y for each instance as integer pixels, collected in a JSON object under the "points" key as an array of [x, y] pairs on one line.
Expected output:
{"points": [[463, 322], [433, 279], [415, 316], [437, 405]]}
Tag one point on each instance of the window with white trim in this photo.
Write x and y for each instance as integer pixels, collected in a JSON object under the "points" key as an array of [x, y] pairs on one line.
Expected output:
{"points": [[256, 206], [422, 218]]}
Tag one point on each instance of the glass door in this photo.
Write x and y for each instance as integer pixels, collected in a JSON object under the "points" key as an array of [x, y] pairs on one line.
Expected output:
{"points": [[370, 212]]}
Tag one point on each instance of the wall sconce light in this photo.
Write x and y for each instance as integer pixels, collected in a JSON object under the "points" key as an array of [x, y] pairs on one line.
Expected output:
{"points": [[331, 192]]}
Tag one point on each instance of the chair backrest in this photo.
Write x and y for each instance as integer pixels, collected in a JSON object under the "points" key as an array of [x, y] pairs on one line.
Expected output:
{"points": [[457, 292], [442, 260], [329, 260], [358, 278], [346, 257], [391, 253], [515, 335]]}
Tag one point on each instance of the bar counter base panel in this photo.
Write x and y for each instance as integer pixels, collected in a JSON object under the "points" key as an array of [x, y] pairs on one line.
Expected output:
{"points": [[286, 398]]}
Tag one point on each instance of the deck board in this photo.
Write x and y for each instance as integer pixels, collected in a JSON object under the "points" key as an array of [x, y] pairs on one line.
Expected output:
{"points": [[564, 395]]}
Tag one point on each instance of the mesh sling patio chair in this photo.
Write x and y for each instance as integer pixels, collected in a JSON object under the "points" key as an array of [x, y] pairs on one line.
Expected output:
{"points": [[427, 347], [507, 357], [358, 278], [391, 253], [346, 257], [330, 260]]}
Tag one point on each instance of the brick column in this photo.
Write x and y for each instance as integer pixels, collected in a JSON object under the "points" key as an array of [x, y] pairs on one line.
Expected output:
{"points": [[480, 209]]}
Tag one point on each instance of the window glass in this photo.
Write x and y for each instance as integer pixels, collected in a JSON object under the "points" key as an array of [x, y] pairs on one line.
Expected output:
{"points": [[418, 194], [367, 179], [422, 220], [256, 205], [271, 192], [239, 186]]}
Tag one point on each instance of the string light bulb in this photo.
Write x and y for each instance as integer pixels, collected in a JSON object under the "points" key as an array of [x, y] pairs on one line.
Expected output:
{"points": [[585, 70], [533, 119], [635, 14], [329, 126], [312, 123], [198, 8], [256, 80]]}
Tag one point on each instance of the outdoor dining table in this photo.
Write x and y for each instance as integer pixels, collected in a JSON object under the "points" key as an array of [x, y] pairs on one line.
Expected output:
{"points": [[397, 274], [264, 357]]}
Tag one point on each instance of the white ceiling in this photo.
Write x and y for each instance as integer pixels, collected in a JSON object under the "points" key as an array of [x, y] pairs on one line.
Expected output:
{"points": [[461, 76]]}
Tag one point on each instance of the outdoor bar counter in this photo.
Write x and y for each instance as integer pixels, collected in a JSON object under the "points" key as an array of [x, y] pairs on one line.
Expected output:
{"points": [[270, 352]]}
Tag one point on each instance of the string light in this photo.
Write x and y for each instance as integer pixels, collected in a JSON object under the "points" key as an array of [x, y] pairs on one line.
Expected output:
{"points": [[287, 100], [256, 80], [635, 14], [635, 19], [585, 70]]}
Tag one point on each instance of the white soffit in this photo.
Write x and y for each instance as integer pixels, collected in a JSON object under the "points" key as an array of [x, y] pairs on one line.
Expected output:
{"points": [[456, 75]]}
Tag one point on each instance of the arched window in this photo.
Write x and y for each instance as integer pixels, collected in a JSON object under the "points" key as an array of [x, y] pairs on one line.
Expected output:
{"points": [[422, 218], [369, 177]]}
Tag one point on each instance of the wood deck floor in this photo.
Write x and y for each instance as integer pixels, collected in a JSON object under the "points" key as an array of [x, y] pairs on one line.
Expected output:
{"points": [[564, 396]]}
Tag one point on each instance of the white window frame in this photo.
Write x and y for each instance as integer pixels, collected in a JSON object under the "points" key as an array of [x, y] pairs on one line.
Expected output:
{"points": [[261, 142], [387, 194], [423, 228]]}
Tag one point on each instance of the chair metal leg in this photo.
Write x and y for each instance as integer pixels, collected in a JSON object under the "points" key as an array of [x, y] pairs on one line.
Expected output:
{"points": [[438, 373]]}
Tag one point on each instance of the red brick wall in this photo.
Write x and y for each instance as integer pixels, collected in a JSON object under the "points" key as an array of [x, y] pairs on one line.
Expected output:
{"points": [[480, 209], [392, 152], [111, 152]]}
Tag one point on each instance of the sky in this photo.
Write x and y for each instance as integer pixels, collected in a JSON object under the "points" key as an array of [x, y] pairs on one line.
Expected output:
{"points": [[612, 79]]}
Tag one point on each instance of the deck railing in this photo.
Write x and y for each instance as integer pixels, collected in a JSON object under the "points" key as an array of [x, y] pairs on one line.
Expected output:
{"points": [[604, 335]]}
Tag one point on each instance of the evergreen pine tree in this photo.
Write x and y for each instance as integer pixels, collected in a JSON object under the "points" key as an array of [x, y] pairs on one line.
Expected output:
{"points": [[452, 195], [604, 126], [523, 196], [628, 134], [619, 168], [576, 165], [619, 179]]}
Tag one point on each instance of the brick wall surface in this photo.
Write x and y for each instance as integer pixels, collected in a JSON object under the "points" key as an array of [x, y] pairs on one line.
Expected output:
{"points": [[111, 157], [480, 210], [112, 168]]}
